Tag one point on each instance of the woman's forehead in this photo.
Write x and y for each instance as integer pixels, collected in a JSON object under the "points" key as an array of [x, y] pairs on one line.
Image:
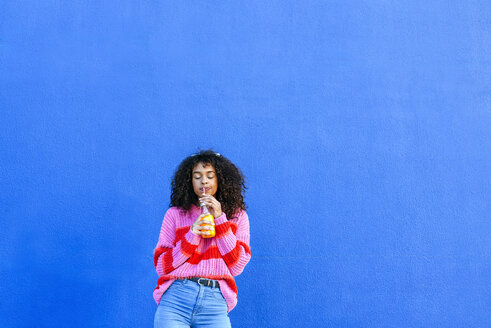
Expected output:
{"points": [[207, 167]]}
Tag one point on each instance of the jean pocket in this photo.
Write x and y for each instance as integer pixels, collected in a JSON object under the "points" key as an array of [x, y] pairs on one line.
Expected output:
{"points": [[217, 294]]}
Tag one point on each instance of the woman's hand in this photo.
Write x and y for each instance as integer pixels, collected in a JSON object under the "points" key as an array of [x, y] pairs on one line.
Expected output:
{"points": [[213, 205], [202, 227]]}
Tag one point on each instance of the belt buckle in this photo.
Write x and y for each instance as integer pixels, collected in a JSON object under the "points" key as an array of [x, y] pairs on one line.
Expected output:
{"points": [[202, 284]]}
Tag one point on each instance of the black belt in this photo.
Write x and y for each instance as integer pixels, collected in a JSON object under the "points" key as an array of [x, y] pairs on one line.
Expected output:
{"points": [[205, 282]]}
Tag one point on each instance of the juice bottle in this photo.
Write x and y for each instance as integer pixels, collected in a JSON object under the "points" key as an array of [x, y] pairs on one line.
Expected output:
{"points": [[207, 215]]}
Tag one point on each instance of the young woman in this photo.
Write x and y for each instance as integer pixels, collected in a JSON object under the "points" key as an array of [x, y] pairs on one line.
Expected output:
{"points": [[196, 287]]}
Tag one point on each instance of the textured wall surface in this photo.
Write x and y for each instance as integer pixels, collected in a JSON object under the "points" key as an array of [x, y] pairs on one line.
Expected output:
{"points": [[363, 127]]}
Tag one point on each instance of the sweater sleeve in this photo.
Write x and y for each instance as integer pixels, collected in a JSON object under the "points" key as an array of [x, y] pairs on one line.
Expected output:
{"points": [[170, 252], [233, 245]]}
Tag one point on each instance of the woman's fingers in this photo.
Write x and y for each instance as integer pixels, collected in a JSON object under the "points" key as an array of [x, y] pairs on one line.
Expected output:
{"points": [[212, 203], [208, 200], [205, 221], [204, 230], [202, 227]]}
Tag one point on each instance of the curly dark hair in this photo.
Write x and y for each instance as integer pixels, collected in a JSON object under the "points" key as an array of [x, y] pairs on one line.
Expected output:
{"points": [[230, 183]]}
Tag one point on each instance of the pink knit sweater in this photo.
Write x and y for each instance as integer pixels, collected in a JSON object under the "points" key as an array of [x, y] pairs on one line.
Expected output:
{"points": [[182, 254]]}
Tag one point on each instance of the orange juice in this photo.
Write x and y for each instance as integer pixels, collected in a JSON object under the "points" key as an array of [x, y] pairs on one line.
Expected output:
{"points": [[207, 215], [212, 219]]}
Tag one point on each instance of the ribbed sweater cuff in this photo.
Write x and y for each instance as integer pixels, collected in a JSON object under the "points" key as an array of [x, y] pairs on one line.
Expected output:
{"points": [[192, 238], [221, 219]]}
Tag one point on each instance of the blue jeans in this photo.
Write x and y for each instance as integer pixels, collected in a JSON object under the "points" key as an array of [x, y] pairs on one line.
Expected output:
{"points": [[187, 304]]}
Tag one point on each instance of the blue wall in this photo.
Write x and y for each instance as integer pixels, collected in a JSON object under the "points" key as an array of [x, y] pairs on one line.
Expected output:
{"points": [[363, 128]]}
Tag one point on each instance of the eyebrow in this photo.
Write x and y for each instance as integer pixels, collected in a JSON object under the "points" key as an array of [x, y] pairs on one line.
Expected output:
{"points": [[205, 172]]}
